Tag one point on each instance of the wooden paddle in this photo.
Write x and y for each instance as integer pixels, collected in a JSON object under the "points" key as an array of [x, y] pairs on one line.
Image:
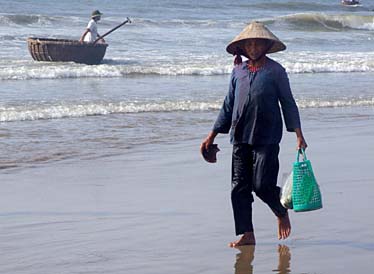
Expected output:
{"points": [[113, 29]]}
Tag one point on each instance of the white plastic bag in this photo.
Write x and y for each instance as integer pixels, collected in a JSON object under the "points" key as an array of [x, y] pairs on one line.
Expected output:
{"points": [[286, 193]]}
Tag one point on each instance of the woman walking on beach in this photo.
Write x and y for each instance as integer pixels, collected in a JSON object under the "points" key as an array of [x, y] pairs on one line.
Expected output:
{"points": [[251, 110]]}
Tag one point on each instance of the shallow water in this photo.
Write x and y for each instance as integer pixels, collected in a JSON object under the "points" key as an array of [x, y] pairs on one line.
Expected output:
{"points": [[161, 208], [100, 170], [51, 120], [163, 78]]}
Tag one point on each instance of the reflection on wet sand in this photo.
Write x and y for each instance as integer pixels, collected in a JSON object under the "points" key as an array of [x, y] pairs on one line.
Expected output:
{"points": [[284, 260], [243, 264], [244, 259]]}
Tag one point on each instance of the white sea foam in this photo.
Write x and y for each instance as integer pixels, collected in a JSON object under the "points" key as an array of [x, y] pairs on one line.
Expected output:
{"points": [[294, 62], [347, 102], [67, 70], [321, 62], [22, 113], [39, 112]]}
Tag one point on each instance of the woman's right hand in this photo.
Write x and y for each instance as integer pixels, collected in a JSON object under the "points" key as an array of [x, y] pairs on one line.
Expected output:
{"points": [[208, 141]]}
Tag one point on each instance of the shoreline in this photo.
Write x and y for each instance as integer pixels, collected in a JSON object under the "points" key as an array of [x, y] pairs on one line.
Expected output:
{"points": [[163, 201]]}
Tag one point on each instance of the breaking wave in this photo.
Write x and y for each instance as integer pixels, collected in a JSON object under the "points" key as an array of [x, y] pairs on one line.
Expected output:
{"points": [[24, 19], [294, 62], [41, 112], [36, 112], [293, 5], [326, 62], [308, 22], [323, 21]]}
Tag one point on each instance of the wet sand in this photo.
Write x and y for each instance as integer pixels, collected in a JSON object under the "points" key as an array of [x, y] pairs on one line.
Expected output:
{"points": [[162, 209]]}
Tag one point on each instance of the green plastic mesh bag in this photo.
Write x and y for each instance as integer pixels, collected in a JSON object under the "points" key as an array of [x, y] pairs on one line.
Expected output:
{"points": [[306, 194]]}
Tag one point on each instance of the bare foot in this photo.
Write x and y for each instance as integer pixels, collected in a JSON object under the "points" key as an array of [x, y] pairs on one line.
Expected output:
{"points": [[248, 238], [284, 227]]}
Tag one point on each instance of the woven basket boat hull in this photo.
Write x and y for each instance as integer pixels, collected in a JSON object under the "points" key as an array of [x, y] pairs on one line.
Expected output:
{"points": [[62, 50]]}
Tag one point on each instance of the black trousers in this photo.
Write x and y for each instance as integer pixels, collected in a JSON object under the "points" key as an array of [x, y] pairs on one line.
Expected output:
{"points": [[254, 169]]}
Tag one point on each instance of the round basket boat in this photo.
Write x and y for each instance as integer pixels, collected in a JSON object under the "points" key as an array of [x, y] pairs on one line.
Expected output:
{"points": [[62, 50]]}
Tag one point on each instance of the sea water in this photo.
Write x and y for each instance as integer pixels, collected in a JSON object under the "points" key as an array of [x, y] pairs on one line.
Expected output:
{"points": [[83, 186], [164, 76], [164, 73]]}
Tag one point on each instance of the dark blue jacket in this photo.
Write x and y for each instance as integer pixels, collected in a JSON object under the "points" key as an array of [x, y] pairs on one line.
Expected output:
{"points": [[251, 108]]}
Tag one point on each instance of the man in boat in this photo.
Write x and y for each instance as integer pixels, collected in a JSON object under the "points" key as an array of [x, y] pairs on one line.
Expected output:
{"points": [[91, 34]]}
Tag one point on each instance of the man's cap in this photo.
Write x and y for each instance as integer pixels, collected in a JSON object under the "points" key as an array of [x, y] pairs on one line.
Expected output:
{"points": [[96, 13], [209, 154]]}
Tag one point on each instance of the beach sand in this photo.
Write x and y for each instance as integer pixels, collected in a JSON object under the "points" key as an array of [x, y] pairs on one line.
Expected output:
{"points": [[162, 209]]}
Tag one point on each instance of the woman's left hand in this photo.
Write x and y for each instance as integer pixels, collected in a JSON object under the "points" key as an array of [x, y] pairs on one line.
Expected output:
{"points": [[301, 143]]}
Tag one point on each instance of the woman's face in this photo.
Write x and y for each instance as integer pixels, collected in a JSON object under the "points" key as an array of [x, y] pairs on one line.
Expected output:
{"points": [[255, 48]]}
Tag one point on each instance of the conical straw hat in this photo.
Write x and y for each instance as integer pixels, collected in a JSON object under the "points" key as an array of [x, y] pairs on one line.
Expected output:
{"points": [[252, 31]]}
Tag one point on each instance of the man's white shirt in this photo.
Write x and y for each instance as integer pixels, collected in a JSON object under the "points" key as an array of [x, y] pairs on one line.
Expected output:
{"points": [[92, 34]]}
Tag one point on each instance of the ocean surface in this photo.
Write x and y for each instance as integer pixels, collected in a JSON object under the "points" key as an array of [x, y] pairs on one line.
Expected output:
{"points": [[164, 76], [100, 169]]}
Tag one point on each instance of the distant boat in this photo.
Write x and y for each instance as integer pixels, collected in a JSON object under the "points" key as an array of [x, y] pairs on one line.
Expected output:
{"points": [[351, 3], [62, 50]]}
